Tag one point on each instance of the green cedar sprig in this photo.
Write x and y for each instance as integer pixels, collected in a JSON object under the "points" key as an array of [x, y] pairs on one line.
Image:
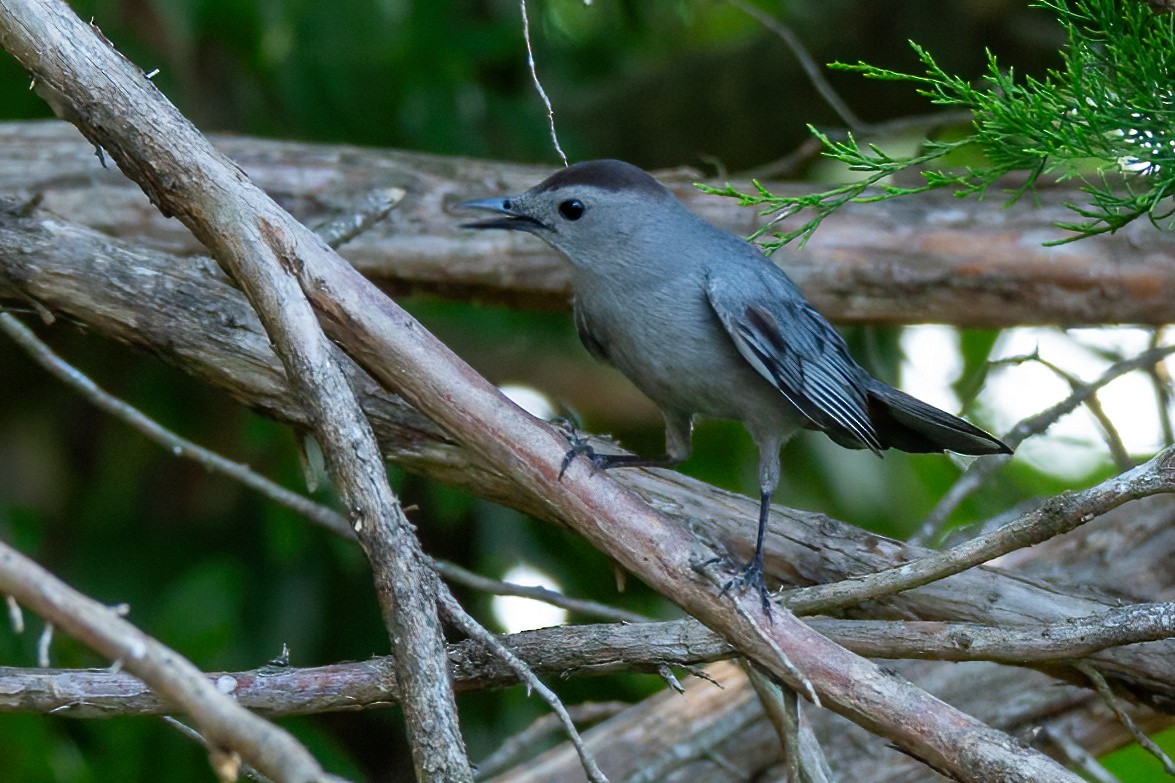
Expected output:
{"points": [[1106, 119]]}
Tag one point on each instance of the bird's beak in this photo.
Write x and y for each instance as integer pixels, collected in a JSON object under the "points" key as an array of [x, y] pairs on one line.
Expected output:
{"points": [[510, 218]]}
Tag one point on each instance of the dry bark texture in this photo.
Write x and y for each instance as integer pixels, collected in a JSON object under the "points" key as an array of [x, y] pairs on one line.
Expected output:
{"points": [[926, 259]]}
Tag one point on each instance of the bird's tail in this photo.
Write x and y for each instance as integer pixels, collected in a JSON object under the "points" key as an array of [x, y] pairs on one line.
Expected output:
{"points": [[908, 424]]}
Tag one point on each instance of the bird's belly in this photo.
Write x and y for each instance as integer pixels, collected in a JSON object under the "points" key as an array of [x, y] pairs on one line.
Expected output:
{"points": [[682, 359]]}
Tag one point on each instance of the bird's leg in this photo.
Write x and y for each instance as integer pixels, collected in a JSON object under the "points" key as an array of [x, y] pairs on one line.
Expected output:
{"points": [[751, 574], [580, 447], [677, 448]]}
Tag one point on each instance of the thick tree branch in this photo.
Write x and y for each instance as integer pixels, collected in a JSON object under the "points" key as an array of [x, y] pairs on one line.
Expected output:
{"points": [[113, 103], [182, 310], [589, 650], [925, 259]]}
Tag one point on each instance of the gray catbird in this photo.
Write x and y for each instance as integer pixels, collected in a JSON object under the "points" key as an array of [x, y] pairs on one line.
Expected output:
{"points": [[704, 324]]}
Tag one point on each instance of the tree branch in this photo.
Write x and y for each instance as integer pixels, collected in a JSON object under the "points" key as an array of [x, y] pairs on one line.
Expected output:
{"points": [[174, 444], [229, 727], [579, 650], [981, 470], [1057, 515], [925, 259]]}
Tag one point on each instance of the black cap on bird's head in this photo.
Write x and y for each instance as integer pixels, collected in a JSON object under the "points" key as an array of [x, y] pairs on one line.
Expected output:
{"points": [[582, 209]]}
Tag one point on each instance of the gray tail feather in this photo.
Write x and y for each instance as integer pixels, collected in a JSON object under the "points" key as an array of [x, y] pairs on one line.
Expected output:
{"points": [[908, 424]]}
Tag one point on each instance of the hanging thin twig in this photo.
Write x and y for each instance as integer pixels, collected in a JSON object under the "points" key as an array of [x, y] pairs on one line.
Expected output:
{"points": [[534, 75], [1103, 689]]}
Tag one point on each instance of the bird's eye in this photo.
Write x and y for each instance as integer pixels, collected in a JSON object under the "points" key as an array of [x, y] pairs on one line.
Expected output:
{"points": [[572, 209]]}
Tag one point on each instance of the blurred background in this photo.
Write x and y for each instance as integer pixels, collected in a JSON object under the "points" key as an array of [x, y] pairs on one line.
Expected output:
{"points": [[227, 578]]}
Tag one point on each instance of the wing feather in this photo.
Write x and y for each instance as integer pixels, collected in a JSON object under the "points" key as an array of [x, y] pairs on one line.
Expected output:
{"points": [[791, 345]]}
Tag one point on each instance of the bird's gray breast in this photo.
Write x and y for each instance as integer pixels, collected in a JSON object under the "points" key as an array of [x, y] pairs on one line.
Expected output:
{"points": [[664, 336]]}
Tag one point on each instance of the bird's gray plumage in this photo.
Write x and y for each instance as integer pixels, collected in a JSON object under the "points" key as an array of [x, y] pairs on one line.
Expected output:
{"points": [[704, 324]]}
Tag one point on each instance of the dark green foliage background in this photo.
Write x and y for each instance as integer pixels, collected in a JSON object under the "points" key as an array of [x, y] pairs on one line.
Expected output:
{"points": [[227, 578]]}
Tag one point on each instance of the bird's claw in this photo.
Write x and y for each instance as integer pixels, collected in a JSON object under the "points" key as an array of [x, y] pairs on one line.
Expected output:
{"points": [[751, 576], [580, 447]]}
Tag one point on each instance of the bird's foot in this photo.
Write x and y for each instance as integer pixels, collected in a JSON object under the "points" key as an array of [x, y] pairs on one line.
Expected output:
{"points": [[581, 447], [751, 576]]}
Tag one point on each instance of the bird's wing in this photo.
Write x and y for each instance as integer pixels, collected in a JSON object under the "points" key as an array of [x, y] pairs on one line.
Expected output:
{"points": [[791, 345], [587, 336]]}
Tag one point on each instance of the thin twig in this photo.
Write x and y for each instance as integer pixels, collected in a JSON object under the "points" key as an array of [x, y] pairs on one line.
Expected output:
{"points": [[1103, 689], [538, 85], [1161, 381], [982, 469], [1110, 432], [509, 752], [233, 766], [455, 573], [807, 62], [364, 215], [1078, 756], [175, 444], [1055, 516], [44, 643], [1094, 406], [15, 615], [457, 615]]}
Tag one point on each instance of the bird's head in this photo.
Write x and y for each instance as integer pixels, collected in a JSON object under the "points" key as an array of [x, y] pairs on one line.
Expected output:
{"points": [[592, 212]]}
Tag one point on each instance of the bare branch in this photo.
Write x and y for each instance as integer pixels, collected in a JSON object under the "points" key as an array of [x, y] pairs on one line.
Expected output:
{"points": [[982, 469], [228, 726], [1015, 700], [929, 259], [1103, 689], [1080, 758], [592, 650], [803, 758], [370, 210], [402, 356], [315, 512], [1161, 381], [455, 573], [461, 619], [807, 62], [1055, 516], [232, 767], [311, 510], [171, 442]]}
